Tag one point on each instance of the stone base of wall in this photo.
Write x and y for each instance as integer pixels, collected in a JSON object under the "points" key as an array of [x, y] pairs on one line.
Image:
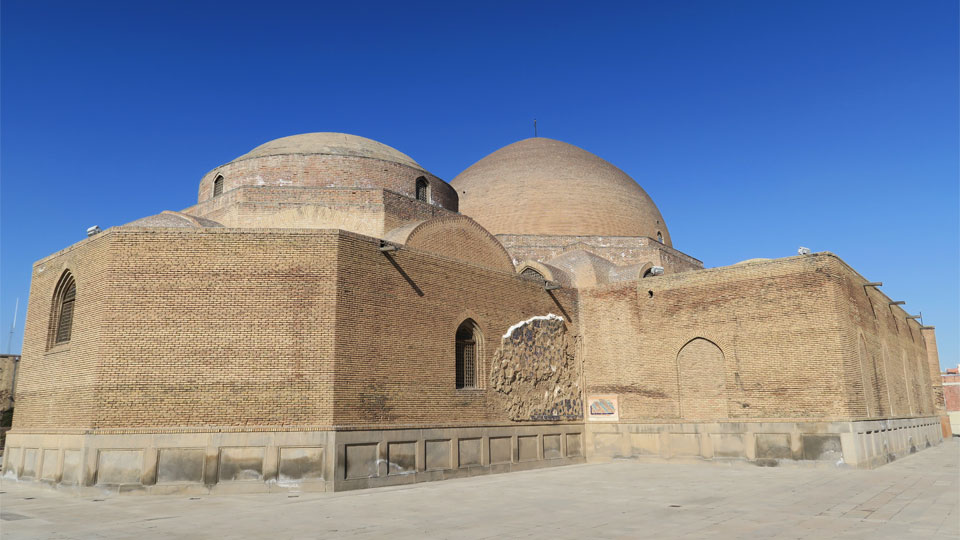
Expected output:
{"points": [[863, 444], [300, 461], [247, 462]]}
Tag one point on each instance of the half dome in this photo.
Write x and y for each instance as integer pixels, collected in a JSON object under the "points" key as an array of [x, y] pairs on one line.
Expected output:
{"points": [[542, 186], [169, 218]]}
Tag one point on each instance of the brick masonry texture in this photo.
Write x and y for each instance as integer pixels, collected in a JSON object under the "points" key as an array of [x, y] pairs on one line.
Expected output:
{"points": [[191, 335], [368, 211], [545, 187], [311, 309], [397, 316], [780, 338], [620, 250], [173, 329], [326, 171]]}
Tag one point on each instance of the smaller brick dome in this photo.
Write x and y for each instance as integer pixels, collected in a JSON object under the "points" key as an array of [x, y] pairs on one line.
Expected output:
{"points": [[329, 161], [333, 144], [545, 187]]}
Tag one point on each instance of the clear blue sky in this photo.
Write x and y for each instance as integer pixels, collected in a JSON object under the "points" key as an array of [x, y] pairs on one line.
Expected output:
{"points": [[757, 127]]}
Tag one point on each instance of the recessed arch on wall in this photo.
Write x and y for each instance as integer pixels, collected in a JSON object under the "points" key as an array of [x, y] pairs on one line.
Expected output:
{"points": [[532, 269], [869, 377], [218, 185], [910, 381], [701, 376], [62, 310]]}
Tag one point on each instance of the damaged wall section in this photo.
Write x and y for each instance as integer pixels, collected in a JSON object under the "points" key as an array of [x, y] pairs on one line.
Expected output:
{"points": [[536, 371]]}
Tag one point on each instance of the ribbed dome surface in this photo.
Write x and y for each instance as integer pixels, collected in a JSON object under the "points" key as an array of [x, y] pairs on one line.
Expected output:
{"points": [[547, 187], [333, 144]]}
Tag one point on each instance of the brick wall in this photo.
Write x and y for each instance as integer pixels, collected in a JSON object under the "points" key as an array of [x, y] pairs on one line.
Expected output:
{"points": [[933, 368], [187, 328], [951, 392], [397, 316], [784, 329], [889, 352], [58, 386], [239, 328], [244, 328]]}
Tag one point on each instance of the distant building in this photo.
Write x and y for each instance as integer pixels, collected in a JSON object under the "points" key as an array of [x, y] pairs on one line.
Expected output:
{"points": [[330, 315], [8, 378]]}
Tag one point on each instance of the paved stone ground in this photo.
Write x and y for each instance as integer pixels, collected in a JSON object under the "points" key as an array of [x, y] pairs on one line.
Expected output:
{"points": [[915, 497]]}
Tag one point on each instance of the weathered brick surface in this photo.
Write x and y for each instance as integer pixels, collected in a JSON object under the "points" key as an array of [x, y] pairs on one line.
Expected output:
{"points": [[250, 328], [369, 211], [461, 238], [541, 186], [887, 350], [291, 317], [933, 368], [788, 332], [620, 250], [397, 316], [58, 386], [176, 329], [326, 171], [951, 392]]}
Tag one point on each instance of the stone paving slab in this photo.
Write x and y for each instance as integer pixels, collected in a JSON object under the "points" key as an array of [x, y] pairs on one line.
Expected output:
{"points": [[914, 498]]}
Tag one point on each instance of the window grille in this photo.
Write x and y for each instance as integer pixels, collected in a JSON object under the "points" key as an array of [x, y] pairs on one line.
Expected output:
{"points": [[63, 307], [423, 190], [218, 186], [466, 361]]}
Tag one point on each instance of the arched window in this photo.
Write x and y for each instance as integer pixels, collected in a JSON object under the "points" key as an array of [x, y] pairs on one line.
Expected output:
{"points": [[423, 189], [218, 186], [659, 237], [469, 342], [64, 298]]}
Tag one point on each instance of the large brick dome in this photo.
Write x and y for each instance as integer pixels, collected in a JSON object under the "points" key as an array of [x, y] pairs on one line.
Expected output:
{"points": [[546, 187]]}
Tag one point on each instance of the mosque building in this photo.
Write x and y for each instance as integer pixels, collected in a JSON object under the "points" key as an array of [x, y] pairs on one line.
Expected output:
{"points": [[331, 316]]}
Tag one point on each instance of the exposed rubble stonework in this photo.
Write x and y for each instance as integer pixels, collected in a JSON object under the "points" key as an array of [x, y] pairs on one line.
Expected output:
{"points": [[536, 373]]}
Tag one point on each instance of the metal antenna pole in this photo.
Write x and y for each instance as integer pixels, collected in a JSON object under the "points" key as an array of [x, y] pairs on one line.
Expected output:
{"points": [[534, 127], [16, 308]]}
